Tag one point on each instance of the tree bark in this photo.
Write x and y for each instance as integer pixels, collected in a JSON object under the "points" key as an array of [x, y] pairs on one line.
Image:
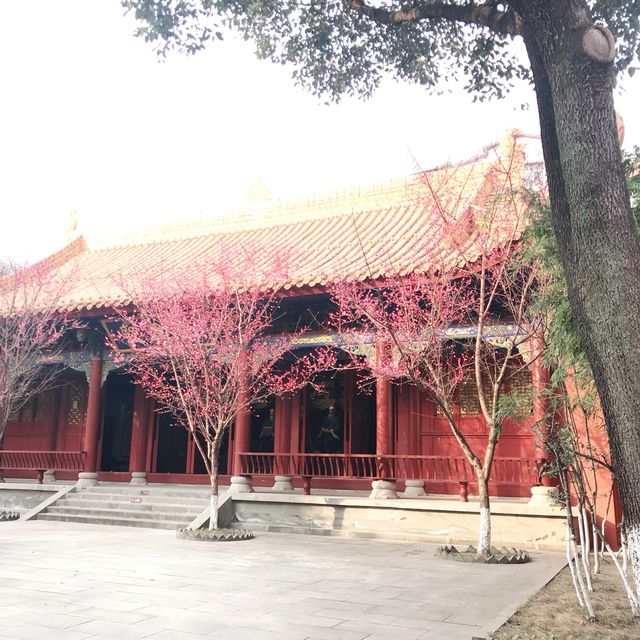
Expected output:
{"points": [[484, 538], [593, 224], [1, 448], [213, 500]]}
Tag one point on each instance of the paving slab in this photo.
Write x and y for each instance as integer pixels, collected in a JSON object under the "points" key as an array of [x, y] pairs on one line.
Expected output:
{"points": [[71, 581]]}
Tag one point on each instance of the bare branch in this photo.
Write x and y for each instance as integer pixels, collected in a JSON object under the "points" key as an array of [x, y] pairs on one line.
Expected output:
{"points": [[485, 15]]}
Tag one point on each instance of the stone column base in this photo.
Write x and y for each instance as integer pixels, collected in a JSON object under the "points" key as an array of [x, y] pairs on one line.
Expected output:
{"points": [[383, 490], [138, 477], [414, 489], [283, 484], [544, 497], [87, 479], [240, 484], [49, 476]]}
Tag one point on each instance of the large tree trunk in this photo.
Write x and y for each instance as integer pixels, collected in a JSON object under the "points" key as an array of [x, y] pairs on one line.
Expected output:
{"points": [[593, 224]]}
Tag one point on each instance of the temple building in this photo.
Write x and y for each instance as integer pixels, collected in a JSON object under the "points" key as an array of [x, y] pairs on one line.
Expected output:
{"points": [[111, 432]]}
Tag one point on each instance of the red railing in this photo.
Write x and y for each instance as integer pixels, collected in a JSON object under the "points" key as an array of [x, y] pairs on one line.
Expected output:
{"points": [[40, 461], [517, 471]]}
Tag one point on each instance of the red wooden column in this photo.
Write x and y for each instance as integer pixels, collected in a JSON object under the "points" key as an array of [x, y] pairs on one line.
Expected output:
{"points": [[282, 437], [54, 419], [384, 486], [92, 425], [139, 438], [242, 429], [540, 377], [282, 430], [384, 434], [52, 429]]}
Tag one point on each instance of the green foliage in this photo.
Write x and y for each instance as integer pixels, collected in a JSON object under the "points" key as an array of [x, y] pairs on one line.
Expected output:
{"points": [[510, 407], [564, 352], [335, 50]]}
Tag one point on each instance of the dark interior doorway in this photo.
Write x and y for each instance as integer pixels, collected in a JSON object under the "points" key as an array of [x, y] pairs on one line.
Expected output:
{"points": [[363, 419], [116, 425], [173, 441], [342, 409], [325, 419]]}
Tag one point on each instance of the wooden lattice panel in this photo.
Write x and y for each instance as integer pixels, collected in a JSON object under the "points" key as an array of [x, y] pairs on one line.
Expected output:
{"points": [[468, 399], [39, 409], [14, 416], [521, 390], [77, 402]]}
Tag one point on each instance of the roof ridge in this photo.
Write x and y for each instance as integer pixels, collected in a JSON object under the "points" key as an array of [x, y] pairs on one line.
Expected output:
{"points": [[62, 256], [283, 213], [270, 214]]}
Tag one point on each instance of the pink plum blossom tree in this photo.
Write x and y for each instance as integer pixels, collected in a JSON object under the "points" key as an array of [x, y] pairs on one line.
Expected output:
{"points": [[481, 284], [32, 328], [204, 346]]}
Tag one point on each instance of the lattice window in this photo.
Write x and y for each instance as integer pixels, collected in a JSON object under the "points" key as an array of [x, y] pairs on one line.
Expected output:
{"points": [[521, 390], [29, 410], [14, 416], [77, 402], [34, 410], [468, 399], [38, 408]]}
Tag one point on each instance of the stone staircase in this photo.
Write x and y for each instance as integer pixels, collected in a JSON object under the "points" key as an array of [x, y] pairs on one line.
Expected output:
{"points": [[151, 506]]}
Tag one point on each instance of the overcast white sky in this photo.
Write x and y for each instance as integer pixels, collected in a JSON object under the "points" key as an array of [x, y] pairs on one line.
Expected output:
{"points": [[91, 122]]}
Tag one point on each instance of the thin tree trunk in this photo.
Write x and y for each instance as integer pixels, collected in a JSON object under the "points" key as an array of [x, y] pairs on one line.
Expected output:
{"points": [[633, 598], [569, 535], [587, 602], [596, 550], [484, 538], [584, 547], [593, 225], [1, 448], [213, 500], [570, 562]]}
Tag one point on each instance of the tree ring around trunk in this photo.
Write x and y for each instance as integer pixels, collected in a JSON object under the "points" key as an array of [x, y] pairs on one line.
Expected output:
{"points": [[599, 44], [495, 556], [214, 535]]}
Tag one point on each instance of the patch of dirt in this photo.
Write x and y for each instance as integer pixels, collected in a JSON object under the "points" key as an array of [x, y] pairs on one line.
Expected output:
{"points": [[554, 613]]}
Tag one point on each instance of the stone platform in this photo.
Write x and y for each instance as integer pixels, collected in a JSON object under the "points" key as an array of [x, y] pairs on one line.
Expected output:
{"points": [[442, 519]]}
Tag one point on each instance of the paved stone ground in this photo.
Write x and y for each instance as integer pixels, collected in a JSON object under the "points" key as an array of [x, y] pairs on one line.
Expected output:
{"points": [[62, 581]]}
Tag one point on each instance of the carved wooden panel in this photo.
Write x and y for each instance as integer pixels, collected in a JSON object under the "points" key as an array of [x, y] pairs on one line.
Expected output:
{"points": [[468, 399], [40, 407], [14, 416], [521, 390], [77, 402], [34, 410]]}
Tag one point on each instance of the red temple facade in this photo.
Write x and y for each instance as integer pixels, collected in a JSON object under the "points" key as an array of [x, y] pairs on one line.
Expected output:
{"points": [[98, 418]]}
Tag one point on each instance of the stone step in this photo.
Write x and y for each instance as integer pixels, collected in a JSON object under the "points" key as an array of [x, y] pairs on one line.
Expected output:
{"points": [[180, 516], [145, 505], [155, 498], [135, 490], [122, 522]]}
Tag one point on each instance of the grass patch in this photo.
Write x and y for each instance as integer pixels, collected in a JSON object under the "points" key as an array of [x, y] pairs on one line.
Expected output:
{"points": [[554, 614]]}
